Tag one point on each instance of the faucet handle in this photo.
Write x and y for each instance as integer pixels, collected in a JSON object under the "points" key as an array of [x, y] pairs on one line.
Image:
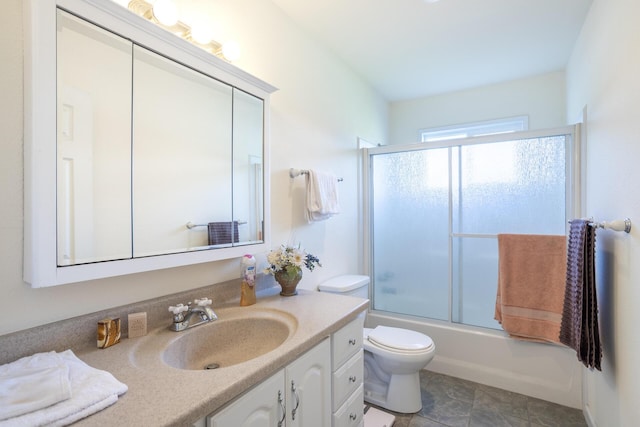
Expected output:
{"points": [[180, 308], [202, 302]]}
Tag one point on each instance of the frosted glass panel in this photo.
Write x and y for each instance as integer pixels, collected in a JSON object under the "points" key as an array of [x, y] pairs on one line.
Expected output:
{"points": [[475, 278], [410, 201], [512, 187]]}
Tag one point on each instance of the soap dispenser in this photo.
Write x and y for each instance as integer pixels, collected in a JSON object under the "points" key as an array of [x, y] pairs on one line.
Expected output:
{"points": [[248, 289]]}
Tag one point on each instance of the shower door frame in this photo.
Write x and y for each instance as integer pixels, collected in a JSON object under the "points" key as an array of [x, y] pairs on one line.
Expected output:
{"points": [[573, 206]]}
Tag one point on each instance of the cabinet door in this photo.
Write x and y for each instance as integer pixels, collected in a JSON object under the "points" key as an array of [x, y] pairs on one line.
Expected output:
{"points": [[261, 406], [309, 388]]}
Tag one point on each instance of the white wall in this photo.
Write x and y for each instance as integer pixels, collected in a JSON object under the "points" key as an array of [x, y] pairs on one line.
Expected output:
{"points": [[539, 97], [603, 76], [319, 111], [317, 114]]}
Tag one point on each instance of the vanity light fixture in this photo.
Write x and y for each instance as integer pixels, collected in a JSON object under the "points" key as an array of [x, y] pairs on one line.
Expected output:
{"points": [[231, 51], [165, 14]]}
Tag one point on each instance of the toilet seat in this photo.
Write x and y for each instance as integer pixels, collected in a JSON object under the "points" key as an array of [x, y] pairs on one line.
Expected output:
{"points": [[399, 340]]}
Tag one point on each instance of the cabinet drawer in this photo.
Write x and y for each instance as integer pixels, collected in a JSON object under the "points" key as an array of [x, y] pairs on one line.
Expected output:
{"points": [[351, 414], [347, 341], [347, 379]]}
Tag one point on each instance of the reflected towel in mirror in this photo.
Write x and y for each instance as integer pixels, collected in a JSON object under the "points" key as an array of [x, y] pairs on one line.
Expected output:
{"points": [[221, 233]]}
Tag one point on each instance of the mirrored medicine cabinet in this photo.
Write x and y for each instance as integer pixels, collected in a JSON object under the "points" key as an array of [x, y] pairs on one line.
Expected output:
{"points": [[142, 151]]}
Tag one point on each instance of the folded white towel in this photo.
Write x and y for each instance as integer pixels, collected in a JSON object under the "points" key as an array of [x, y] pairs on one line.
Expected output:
{"points": [[33, 383], [91, 391], [322, 196]]}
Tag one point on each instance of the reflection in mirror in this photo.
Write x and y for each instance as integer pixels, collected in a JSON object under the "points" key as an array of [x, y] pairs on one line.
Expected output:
{"points": [[182, 151], [93, 143], [248, 131]]}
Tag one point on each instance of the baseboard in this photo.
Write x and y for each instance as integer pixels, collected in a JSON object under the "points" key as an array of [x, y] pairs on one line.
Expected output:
{"points": [[588, 417]]}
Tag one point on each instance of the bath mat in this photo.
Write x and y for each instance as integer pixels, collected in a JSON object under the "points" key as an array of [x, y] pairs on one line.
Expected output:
{"points": [[374, 417]]}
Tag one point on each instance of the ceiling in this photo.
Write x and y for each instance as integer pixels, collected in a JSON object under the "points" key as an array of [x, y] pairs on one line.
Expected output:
{"points": [[414, 48]]}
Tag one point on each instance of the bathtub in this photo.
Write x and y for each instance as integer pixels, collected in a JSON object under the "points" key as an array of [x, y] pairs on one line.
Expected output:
{"points": [[545, 371]]}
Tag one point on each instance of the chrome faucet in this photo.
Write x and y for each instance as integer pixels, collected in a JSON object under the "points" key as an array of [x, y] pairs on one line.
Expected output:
{"points": [[187, 316]]}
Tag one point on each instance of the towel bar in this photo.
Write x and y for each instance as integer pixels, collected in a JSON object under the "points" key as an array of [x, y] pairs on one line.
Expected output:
{"points": [[191, 225], [297, 172], [615, 225]]}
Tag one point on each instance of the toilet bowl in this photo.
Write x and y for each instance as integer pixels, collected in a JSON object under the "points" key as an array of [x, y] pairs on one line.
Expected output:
{"points": [[393, 357]]}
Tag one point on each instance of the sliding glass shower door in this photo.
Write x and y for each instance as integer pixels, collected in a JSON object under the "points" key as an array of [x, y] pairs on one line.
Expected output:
{"points": [[410, 212], [435, 212]]}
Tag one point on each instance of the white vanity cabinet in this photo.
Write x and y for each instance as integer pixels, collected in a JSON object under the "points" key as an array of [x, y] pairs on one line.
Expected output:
{"points": [[347, 375], [298, 395], [261, 406]]}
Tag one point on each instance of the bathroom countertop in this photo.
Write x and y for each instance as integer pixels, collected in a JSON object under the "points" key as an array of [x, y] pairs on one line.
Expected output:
{"points": [[160, 395]]}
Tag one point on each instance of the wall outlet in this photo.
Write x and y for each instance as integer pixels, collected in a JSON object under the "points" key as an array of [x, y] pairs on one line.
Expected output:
{"points": [[137, 324]]}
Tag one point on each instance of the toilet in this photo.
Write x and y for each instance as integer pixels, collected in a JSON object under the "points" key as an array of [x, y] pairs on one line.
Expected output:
{"points": [[393, 357]]}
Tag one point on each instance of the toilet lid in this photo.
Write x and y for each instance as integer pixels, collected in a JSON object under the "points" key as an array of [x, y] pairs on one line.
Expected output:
{"points": [[400, 339]]}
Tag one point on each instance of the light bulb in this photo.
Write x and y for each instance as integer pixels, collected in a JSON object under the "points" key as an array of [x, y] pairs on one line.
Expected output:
{"points": [[231, 51], [201, 33], [165, 12]]}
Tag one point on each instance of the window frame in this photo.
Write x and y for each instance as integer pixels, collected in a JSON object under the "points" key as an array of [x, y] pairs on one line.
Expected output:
{"points": [[474, 129]]}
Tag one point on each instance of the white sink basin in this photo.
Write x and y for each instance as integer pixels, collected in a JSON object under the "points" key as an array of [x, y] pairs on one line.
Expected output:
{"points": [[239, 335]]}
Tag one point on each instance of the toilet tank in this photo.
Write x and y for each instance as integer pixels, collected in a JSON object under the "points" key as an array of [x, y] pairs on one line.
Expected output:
{"points": [[351, 284]]}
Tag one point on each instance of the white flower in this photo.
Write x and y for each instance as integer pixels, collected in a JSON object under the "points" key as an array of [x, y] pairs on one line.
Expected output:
{"points": [[287, 256], [297, 258]]}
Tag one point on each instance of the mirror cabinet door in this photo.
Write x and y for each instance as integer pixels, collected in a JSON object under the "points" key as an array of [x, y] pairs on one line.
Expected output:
{"points": [[248, 134], [142, 151], [93, 143], [182, 156], [153, 157]]}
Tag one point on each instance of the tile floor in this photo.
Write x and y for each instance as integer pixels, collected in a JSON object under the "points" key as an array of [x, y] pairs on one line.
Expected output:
{"points": [[452, 402]]}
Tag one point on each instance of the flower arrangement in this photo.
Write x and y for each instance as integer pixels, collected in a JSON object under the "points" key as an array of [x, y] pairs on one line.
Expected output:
{"points": [[289, 260]]}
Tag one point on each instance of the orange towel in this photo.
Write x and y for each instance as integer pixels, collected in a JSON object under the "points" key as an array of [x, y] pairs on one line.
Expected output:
{"points": [[531, 283]]}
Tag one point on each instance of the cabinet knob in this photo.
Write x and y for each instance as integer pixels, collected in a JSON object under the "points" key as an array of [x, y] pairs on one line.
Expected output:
{"points": [[352, 378], [353, 416], [352, 341]]}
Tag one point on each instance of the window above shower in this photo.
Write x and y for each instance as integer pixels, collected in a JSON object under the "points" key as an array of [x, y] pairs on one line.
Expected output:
{"points": [[483, 128]]}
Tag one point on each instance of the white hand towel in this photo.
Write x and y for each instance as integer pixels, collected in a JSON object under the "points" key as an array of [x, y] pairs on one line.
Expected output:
{"points": [[92, 390], [322, 196], [33, 383]]}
